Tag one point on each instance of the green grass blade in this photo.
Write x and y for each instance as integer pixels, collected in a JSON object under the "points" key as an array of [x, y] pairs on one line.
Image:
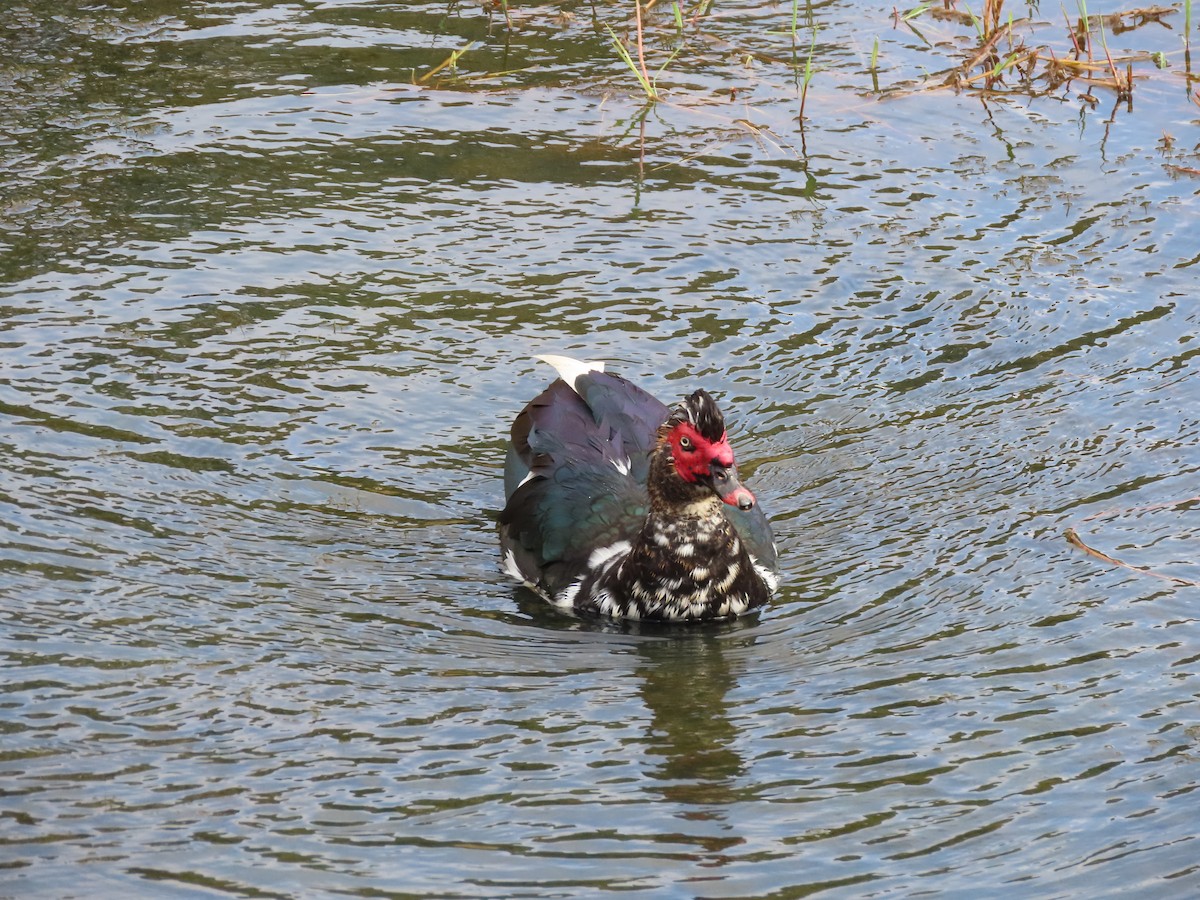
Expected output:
{"points": [[626, 58]]}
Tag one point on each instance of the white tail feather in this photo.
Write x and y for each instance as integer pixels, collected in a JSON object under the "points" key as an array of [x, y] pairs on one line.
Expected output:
{"points": [[570, 369]]}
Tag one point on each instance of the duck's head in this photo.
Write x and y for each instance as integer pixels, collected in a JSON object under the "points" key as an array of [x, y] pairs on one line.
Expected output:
{"points": [[700, 451]]}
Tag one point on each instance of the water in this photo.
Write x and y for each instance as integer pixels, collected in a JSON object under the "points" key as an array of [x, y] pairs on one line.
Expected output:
{"points": [[267, 309]]}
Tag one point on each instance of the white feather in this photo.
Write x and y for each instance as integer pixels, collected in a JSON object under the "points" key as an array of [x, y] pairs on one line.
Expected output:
{"points": [[566, 600], [569, 369], [511, 569], [601, 555], [766, 575], [514, 571]]}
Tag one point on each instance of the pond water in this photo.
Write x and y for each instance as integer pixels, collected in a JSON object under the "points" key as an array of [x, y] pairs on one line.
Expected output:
{"points": [[270, 293]]}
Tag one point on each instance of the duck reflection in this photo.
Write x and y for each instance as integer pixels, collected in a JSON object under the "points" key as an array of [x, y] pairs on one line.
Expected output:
{"points": [[684, 682], [689, 746]]}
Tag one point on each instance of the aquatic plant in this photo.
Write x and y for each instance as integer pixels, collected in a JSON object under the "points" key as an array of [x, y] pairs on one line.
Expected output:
{"points": [[450, 63], [648, 84], [873, 66], [808, 72], [1005, 51], [639, 71], [1037, 69]]}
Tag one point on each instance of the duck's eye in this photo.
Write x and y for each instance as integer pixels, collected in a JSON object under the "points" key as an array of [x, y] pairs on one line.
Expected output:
{"points": [[685, 443]]}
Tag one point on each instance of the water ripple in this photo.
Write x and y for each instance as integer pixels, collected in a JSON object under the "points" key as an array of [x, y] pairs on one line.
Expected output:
{"points": [[267, 306]]}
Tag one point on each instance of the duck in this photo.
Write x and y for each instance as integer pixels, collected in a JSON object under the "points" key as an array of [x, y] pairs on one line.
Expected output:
{"points": [[618, 506]]}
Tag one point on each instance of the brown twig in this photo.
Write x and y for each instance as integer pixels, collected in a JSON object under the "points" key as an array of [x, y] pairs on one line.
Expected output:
{"points": [[1073, 34], [1112, 67], [640, 44], [1073, 537], [991, 73], [985, 49]]}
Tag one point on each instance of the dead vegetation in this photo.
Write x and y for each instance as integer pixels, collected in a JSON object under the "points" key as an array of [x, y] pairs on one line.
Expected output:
{"points": [[1008, 48], [1007, 60]]}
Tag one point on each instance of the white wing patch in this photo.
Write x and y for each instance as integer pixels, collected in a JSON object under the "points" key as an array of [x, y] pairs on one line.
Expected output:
{"points": [[513, 571], [569, 369], [624, 466], [771, 579], [601, 555], [566, 599]]}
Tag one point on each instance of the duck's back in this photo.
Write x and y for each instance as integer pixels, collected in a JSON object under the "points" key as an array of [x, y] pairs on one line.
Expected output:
{"points": [[575, 476]]}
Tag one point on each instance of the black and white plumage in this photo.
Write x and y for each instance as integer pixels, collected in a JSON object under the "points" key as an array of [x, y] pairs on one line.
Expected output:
{"points": [[619, 506]]}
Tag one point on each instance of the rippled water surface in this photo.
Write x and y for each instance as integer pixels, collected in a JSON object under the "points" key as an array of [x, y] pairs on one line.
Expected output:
{"points": [[270, 289]]}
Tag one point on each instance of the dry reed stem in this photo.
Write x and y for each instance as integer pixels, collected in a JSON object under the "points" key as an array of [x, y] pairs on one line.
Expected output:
{"points": [[1073, 537], [985, 49], [640, 43]]}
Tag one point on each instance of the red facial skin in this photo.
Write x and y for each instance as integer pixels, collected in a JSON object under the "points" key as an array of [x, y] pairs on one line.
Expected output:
{"points": [[695, 457]]}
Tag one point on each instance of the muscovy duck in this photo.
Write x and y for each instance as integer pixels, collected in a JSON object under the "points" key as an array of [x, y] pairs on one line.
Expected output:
{"points": [[618, 506]]}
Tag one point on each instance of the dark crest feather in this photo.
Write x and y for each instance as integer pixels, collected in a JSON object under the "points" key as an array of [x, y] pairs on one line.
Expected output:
{"points": [[701, 411]]}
